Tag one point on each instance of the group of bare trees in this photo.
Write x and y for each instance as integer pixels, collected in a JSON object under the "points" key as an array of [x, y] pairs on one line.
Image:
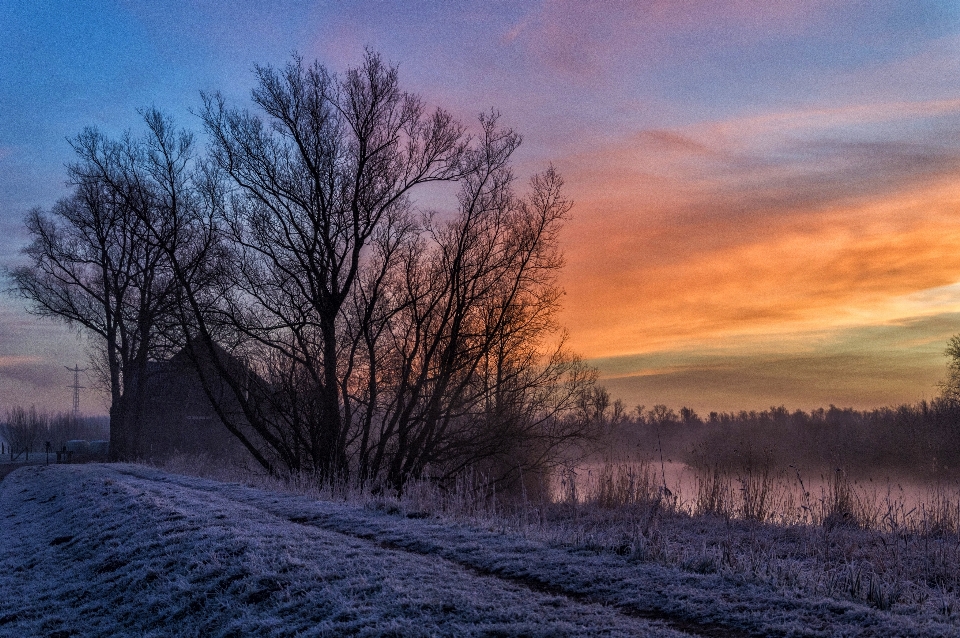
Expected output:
{"points": [[338, 328], [22, 430]]}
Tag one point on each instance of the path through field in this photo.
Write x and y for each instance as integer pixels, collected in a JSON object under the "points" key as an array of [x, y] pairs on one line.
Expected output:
{"points": [[105, 550]]}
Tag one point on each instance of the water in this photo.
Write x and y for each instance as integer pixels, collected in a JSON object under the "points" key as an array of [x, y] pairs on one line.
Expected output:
{"points": [[783, 495]]}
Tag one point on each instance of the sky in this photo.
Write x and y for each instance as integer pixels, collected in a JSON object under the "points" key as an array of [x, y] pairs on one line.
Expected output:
{"points": [[766, 203]]}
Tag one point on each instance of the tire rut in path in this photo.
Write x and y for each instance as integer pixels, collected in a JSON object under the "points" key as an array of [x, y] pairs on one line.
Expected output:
{"points": [[540, 586]]}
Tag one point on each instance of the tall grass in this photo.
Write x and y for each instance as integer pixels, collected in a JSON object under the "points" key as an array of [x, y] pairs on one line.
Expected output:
{"points": [[753, 490], [625, 485]]}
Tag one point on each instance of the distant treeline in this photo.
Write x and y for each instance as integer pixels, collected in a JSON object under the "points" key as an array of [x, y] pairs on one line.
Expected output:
{"points": [[922, 439], [25, 431]]}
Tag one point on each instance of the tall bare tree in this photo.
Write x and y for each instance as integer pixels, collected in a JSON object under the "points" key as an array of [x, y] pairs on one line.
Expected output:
{"points": [[330, 171], [459, 366], [379, 341], [93, 263]]}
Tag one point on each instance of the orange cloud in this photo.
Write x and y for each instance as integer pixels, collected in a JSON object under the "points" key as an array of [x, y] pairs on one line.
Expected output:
{"points": [[862, 381], [860, 366], [684, 237]]}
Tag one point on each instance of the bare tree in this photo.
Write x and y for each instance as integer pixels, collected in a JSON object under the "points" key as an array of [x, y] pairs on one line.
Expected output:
{"points": [[950, 386], [26, 430], [93, 263], [331, 171], [459, 365], [378, 341]]}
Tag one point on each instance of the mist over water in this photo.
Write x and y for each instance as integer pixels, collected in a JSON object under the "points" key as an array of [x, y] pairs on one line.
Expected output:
{"points": [[791, 495]]}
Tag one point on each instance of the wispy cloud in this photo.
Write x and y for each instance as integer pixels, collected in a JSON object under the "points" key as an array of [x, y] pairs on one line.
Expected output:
{"points": [[8, 362], [583, 39], [863, 367]]}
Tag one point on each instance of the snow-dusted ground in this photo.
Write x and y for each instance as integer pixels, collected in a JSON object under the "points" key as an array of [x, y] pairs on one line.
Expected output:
{"points": [[104, 550]]}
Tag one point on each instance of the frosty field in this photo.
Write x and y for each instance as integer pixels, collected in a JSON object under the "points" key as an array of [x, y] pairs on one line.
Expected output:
{"points": [[105, 550]]}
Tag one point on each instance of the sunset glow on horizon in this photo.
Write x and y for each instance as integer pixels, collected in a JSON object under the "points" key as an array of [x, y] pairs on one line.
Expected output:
{"points": [[766, 194]]}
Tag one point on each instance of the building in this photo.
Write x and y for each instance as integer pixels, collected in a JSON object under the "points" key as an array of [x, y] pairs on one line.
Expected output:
{"points": [[179, 417]]}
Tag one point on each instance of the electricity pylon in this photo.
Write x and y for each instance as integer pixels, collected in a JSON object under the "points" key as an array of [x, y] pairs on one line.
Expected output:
{"points": [[76, 370]]}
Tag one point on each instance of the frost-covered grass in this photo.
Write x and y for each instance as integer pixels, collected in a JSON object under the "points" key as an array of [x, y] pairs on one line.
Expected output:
{"points": [[126, 550], [131, 550]]}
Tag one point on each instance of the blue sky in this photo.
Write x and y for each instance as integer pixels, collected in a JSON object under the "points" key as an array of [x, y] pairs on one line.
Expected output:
{"points": [[755, 182]]}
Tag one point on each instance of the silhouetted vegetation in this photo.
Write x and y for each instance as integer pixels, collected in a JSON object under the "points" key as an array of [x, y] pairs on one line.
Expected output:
{"points": [[917, 440]]}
